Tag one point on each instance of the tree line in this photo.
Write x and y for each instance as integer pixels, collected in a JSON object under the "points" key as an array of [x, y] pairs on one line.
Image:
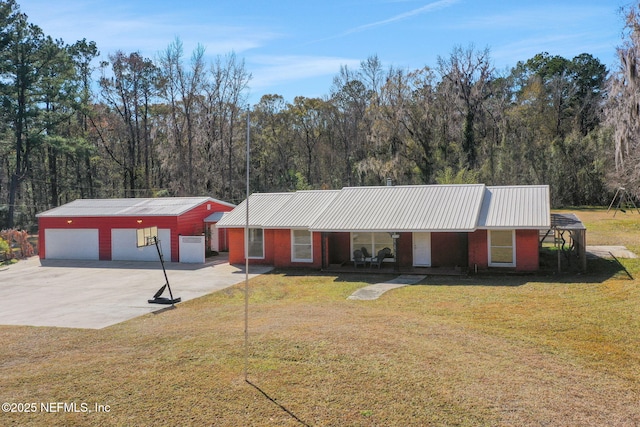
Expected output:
{"points": [[176, 125]]}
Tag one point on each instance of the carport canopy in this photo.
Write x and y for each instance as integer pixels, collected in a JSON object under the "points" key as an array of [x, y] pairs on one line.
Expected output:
{"points": [[569, 222]]}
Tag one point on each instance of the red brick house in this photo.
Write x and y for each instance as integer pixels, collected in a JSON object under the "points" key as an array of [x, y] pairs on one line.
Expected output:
{"points": [[105, 229], [467, 226]]}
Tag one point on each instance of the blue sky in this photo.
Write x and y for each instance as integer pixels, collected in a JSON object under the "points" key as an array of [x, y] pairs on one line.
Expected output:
{"points": [[296, 47]]}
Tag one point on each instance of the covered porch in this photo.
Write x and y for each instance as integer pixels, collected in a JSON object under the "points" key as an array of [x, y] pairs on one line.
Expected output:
{"points": [[406, 252]]}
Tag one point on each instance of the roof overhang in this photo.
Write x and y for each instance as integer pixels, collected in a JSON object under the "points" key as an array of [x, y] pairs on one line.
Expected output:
{"points": [[412, 208]]}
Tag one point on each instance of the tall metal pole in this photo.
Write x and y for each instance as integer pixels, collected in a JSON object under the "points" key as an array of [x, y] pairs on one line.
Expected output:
{"points": [[246, 261]]}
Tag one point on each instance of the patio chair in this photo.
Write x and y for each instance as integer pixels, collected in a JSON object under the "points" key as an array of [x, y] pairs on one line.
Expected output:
{"points": [[358, 258], [378, 259], [366, 254]]}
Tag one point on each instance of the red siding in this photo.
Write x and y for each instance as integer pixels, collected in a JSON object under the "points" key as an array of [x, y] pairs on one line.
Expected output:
{"points": [[223, 240], [527, 250], [338, 246], [478, 250], [449, 249], [104, 226], [277, 249], [236, 245], [189, 223], [269, 247], [316, 240], [281, 248], [405, 250]]}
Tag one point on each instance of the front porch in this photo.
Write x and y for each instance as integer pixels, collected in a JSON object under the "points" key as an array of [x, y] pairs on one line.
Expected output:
{"points": [[409, 252]]}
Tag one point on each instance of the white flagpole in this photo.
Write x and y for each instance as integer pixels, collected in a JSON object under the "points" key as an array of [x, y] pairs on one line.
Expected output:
{"points": [[246, 260]]}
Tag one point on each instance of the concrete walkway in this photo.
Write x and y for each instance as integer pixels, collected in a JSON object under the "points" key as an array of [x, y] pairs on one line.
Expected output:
{"points": [[372, 292], [607, 251]]}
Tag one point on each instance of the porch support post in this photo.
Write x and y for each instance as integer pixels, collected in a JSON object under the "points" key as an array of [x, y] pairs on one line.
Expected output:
{"points": [[323, 248], [583, 247], [396, 265]]}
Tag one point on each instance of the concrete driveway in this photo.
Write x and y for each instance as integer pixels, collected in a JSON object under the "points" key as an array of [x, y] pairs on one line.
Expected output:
{"points": [[96, 294]]}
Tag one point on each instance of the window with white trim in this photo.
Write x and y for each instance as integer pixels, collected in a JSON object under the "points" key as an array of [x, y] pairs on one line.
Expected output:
{"points": [[372, 242], [502, 248], [301, 246], [256, 243]]}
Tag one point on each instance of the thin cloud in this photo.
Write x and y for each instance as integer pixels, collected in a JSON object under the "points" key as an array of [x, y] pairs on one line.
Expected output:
{"points": [[120, 29], [272, 70], [441, 4]]}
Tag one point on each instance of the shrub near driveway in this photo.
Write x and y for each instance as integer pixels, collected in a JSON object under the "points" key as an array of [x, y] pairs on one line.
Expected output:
{"points": [[4, 250], [452, 351]]}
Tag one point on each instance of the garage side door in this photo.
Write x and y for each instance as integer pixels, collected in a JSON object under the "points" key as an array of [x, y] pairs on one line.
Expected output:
{"points": [[123, 246], [71, 243]]}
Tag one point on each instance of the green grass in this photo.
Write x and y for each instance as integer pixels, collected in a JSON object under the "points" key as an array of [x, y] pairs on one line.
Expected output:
{"points": [[473, 351], [8, 262]]}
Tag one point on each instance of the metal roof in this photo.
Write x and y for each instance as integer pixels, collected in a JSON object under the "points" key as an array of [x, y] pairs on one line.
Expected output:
{"points": [[161, 206], [215, 217], [261, 207], [566, 221], [521, 206], [408, 208], [302, 209], [403, 208]]}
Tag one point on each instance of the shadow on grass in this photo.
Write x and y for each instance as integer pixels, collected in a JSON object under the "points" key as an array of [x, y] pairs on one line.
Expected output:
{"points": [[272, 400], [364, 276], [598, 270]]}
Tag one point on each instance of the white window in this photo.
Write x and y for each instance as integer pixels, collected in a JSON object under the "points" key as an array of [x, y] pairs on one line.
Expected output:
{"points": [[255, 243], [372, 242], [502, 248], [301, 246]]}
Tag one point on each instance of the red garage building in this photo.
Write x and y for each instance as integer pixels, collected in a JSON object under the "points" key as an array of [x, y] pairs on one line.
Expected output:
{"points": [[468, 226], [105, 229]]}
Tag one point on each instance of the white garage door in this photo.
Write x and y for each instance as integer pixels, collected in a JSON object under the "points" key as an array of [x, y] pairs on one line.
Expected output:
{"points": [[123, 246], [71, 243]]}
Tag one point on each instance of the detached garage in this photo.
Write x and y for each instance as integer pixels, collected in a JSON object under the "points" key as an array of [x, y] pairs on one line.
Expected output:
{"points": [[105, 229]]}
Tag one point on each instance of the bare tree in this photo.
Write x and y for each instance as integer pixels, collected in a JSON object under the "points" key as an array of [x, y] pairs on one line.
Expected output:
{"points": [[128, 87], [182, 88], [350, 100], [224, 101], [308, 127], [623, 106], [272, 156], [469, 73]]}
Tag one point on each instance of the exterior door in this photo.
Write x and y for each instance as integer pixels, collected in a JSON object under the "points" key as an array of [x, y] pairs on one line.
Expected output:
{"points": [[214, 239], [422, 249]]}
